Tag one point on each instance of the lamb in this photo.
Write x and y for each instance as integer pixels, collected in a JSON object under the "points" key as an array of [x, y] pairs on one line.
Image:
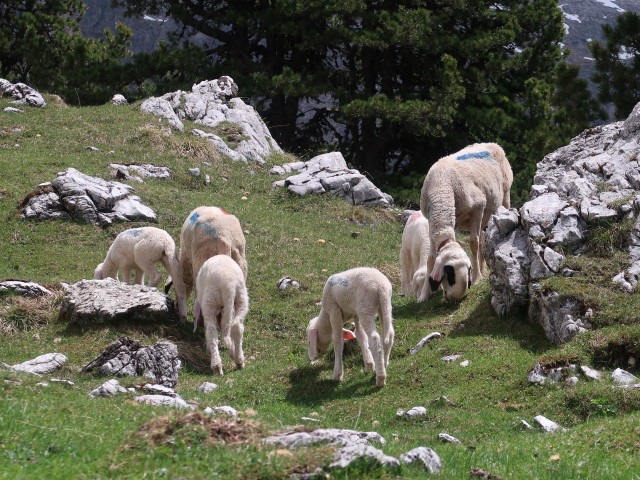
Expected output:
{"points": [[206, 232], [414, 253], [221, 296], [360, 293], [140, 249], [462, 190]]}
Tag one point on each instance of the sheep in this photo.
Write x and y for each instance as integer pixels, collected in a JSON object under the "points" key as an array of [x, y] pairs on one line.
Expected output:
{"points": [[140, 249], [221, 297], [414, 253], [209, 231], [462, 190], [360, 293]]}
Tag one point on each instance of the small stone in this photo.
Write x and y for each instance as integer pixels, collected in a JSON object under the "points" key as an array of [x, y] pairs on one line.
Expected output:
{"points": [[547, 425], [163, 400], [423, 342], [590, 373], [92, 149], [464, 363], [445, 437], [554, 458], [207, 387], [230, 411], [62, 380], [309, 419], [296, 239], [243, 198], [195, 172], [451, 358], [623, 377], [571, 381], [526, 425], [412, 412], [428, 457]]}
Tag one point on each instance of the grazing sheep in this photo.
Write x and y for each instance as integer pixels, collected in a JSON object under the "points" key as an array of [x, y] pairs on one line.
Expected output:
{"points": [[462, 190], [221, 297], [414, 253], [360, 293], [140, 249], [206, 232]]}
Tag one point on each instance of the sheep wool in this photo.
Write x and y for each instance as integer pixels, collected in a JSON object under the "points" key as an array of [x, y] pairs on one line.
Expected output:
{"points": [[414, 254], [221, 297], [462, 191], [359, 294]]}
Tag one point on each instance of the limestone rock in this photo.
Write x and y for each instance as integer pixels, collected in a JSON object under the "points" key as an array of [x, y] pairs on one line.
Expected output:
{"points": [[225, 409], [207, 387], [25, 289], [139, 172], [108, 389], [331, 436], [445, 437], [74, 195], [108, 300], [126, 356], [547, 425], [413, 412], [118, 99], [348, 454], [163, 401], [590, 373], [42, 364], [21, 93], [623, 377], [424, 455], [328, 173], [423, 341]]}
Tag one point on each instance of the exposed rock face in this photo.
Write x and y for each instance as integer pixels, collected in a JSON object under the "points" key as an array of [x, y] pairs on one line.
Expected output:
{"points": [[331, 436], [126, 356], [139, 172], [593, 180], [211, 103], [21, 93], [74, 195], [108, 300], [328, 173], [25, 289]]}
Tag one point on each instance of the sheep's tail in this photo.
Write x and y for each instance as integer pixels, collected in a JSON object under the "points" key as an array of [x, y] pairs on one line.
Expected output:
{"points": [[386, 317]]}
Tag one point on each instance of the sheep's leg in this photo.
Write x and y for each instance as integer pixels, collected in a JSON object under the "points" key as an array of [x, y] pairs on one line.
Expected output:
{"points": [[211, 337], [474, 242], [407, 274], [237, 354], [126, 274], [337, 321], [363, 341], [483, 264], [139, 274], [369, 326], [152, 273]]}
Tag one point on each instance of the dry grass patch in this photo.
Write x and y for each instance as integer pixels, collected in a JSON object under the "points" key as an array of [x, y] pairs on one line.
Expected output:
{"points": [[22, 314]]}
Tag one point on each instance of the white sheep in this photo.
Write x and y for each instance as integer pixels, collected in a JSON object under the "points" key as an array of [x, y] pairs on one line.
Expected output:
{"points": [[462, 191], [414, 254], [140, 249], [206, 232], [221, 297], [359, 294]]}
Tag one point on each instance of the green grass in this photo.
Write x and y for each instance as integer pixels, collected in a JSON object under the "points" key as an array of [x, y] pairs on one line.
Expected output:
{"points": [[58, 432]]}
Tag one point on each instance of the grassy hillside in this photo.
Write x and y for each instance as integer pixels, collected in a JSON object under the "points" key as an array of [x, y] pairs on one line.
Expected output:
{"points": [[58, 432]]}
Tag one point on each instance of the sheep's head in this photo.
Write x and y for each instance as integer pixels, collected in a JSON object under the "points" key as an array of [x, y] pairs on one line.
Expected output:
{"points": [[97, 273], [452, 270], [316, 346]]}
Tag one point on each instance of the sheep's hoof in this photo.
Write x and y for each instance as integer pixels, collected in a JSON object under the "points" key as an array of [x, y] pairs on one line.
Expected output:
{"points": [[381, 381], [368, 367], [217, 369], [240, 365], [337, 377]]}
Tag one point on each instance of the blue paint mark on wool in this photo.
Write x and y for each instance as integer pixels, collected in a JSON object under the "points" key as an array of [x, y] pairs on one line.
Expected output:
{"points": [[337, 280], [134, 232], [208, 229], [194, 218], [482, 155]]}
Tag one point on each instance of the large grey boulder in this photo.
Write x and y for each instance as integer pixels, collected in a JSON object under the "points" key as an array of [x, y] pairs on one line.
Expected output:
{"points": [[591, 181], [21, 93], [108, 300], [424, 455], [74, 195], [126, 356], [210, 103], [328, 173], [42, 364]]}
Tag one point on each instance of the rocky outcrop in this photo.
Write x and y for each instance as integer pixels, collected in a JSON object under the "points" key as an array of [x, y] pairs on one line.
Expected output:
{"points": [[76, 196], [592, 181], [24, 289], [21, 93], [210, 103], [328, 173]]}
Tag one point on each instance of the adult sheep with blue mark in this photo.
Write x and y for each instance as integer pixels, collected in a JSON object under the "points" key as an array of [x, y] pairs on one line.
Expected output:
{"points": [[209, 231], [462, 191], [140, 250], [359, 294]]}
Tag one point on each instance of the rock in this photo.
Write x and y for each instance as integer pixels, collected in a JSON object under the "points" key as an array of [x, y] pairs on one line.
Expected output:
{"points": [[348, 454], [126, 356], [547, 425], [66, 381], [119, 99], [139, 172], [21, 93], [25, 289], [623, 377], [108, 389], [210, 103], [423, 341], [557, 314], [42, 364], [92, 149], [451, 358], [225, 409], [159, 390], [288, 282], [220, 145], [194, 172], [571, 381], [74, 195], [328, 173], [108, 300], [445, 437], [464, 363], [526, 425], [207, 387], [163, 401], [425, 455], [536, 375], [590, 373], [12, 110], [412, 412], [331, 436]]}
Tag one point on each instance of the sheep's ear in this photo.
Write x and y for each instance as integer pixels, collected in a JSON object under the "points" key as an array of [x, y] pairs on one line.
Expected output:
{"points": [[312, 335], [451, 274], [347, 334], [435, 277]]}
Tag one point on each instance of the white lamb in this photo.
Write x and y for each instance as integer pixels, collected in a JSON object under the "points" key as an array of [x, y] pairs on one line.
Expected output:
{"points": [[206, 232], [140, 249], [414, 253], [221, 296], [462, 190], [360, 293]]}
